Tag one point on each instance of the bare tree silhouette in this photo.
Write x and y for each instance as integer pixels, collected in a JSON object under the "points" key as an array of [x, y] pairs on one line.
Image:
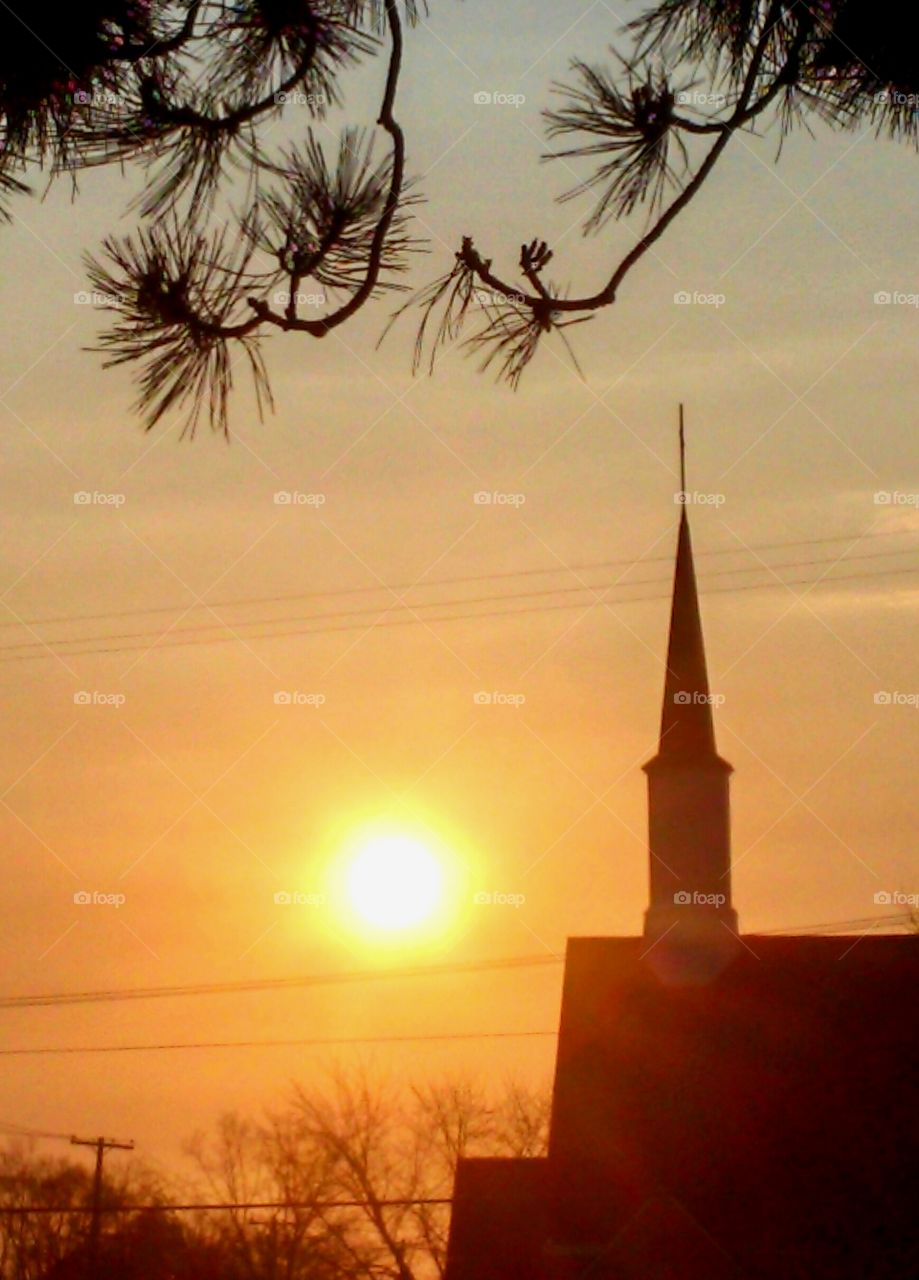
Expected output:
{"points": [[187, 88], [365, 1145]]}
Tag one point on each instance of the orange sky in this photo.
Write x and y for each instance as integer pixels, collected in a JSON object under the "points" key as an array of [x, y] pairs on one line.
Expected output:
{"points": [[199, 797]]}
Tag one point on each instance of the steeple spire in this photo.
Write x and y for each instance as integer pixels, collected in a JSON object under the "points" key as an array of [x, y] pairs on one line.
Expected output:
{"points": [[687, 728], [688, 800]]}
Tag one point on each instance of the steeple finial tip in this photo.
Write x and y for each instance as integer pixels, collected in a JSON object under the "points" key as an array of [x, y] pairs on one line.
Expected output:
{"points": [[682, 453]]}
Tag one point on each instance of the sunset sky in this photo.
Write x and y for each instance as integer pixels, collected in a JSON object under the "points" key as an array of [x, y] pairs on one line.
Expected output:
{"points": [[185, 784]]}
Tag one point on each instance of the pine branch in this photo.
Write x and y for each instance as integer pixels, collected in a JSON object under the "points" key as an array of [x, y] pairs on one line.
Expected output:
{"points": [[177, 295]]}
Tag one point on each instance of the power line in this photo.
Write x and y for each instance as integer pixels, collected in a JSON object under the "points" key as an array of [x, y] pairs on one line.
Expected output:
{"points": [[18, 1130], [496, 575], [274, 984], [48, 650], [379, 610], [313, 1042], [868, 922], [210, 1206], [222, 988]]}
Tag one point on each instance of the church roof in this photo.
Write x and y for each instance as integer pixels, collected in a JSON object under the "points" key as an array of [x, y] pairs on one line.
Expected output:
{"points": [[776, 1103], [757, 1127]]}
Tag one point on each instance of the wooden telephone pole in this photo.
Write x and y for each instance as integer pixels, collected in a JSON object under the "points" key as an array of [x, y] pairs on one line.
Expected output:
{"points": [[101, 1145]]}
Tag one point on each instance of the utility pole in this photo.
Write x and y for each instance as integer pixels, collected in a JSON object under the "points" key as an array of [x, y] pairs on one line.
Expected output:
{"points": [[101, 1145]]}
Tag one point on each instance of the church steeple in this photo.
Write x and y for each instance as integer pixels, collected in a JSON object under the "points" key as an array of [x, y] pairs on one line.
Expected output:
{"points": [[688, 791], [687, 728]]}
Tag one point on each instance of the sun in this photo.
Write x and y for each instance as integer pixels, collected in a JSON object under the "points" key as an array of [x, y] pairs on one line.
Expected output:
{"points": [[395, 882]]}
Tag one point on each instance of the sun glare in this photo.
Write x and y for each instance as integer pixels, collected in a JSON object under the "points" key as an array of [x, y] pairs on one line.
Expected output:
{"points": [[394, 882]]}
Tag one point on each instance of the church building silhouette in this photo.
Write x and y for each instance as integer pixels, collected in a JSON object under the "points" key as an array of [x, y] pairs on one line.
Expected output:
{"points": [[726, 1106]]}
